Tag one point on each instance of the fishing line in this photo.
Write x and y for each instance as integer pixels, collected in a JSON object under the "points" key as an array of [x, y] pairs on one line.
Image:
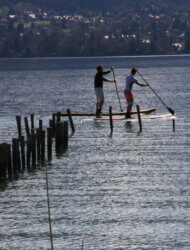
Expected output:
{"points": [[3, 237], [48, 205]]}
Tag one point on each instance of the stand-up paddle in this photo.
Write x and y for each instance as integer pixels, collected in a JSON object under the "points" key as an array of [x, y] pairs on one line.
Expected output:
{"points": [[169, 109], [117, 90]]}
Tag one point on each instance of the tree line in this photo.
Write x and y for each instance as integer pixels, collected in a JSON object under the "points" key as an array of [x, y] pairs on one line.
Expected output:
{"points": [[145, 30]]}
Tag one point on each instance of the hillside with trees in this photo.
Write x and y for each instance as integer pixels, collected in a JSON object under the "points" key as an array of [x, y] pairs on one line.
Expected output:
{"points": [[37, 28]]}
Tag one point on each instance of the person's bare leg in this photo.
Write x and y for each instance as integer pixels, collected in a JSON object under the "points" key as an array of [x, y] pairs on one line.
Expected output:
{"points": [[101, 105], [98, 108], [129, 108]]}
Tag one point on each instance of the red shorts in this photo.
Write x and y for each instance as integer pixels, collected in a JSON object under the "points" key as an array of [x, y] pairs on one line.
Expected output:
{"points": [[128, 95], [129, 98]]}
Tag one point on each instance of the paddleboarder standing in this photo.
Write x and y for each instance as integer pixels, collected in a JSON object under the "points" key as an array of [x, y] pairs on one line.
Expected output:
{"points": [[130, 80], [98, 86]]}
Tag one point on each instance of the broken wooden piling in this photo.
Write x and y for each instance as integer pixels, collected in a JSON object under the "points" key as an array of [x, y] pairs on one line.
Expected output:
{"points": [[22, 148], [111, 120], [26, 126], [18, 119], [173, 123], [32, 121], [49, 142], [61, 136], [35, 147], [139, 118], [71, 120]]}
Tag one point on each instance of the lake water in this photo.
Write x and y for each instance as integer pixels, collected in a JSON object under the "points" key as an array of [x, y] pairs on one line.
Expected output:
{"points": [[130, 190]]}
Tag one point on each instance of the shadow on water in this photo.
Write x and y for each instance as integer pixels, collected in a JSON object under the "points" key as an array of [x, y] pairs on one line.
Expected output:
{"points": [[139, 133], [71, 134], [129, 127], [62, 152], [5, 182], [111, 135], [108, 178], [128, 124], [98, 124], [3, 185]]}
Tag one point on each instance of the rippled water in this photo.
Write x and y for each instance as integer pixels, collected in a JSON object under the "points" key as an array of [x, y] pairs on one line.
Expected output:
{"points": [[128, 190]]}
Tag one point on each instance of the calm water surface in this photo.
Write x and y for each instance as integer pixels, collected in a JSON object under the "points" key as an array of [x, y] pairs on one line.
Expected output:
{"points": [[125, 191]]}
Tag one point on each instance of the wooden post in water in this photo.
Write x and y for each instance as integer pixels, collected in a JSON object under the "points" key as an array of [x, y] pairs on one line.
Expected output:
{"points": [[110, 116], [58, 117], [32, 121], [61, 136], [22, 146], [50, 123], [40, 124], [53, 124], [173, 122], [49, 142], [58, 136], [18, 119], [71, 120], [3, 161], [65, 137], [16, 155], [43, 135], [33, 149], [38, 141], [32, 131], [28, 151], [26, 126], [139, 118], [9, 162]]}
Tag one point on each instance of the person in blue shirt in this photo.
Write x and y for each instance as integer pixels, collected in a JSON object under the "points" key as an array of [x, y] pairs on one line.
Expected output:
{"points": [[130, 80]]}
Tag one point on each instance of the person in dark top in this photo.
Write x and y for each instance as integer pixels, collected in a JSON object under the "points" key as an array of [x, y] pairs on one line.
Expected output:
{"points": [[98, 86]]}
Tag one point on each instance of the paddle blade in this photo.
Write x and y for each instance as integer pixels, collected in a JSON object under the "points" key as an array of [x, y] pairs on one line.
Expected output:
{"points": [[171, 111]]}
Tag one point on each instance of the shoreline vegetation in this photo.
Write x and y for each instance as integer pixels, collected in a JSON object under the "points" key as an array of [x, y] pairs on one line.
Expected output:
{"points": [[83, 57], [75, 29]]}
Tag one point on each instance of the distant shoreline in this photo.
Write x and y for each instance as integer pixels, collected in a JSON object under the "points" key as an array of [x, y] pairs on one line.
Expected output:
{"points": [[84, 57]]}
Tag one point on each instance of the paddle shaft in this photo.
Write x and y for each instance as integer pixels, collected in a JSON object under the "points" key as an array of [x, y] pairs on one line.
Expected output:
{"points": [[117, 90], [169, 109]]}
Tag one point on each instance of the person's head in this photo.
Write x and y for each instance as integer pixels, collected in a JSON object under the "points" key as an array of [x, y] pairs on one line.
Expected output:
{"points": [[99, 68], [133, 71]]}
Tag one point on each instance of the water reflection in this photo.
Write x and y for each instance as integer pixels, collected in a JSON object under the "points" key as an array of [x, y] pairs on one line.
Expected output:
{"points": [[116, 191]]}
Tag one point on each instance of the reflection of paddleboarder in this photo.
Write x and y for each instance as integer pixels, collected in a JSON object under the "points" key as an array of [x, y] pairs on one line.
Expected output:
{"points": [[98, 85], [128, 91]]}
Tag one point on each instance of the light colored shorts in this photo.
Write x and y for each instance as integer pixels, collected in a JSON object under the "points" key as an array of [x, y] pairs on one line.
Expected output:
{"points": [[99, 94], [129, 97]]}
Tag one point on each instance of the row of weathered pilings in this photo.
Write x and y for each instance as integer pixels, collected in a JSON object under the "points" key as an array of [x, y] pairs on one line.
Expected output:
{"points": [[36, 146], [33, 147]]}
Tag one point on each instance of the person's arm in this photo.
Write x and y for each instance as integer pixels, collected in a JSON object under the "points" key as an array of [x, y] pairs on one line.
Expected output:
{"points": [[106, 80], [140, 84], [106, 72]]}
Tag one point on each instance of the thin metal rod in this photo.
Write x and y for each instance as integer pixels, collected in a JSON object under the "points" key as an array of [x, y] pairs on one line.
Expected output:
{"points": [[117, 90]]}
